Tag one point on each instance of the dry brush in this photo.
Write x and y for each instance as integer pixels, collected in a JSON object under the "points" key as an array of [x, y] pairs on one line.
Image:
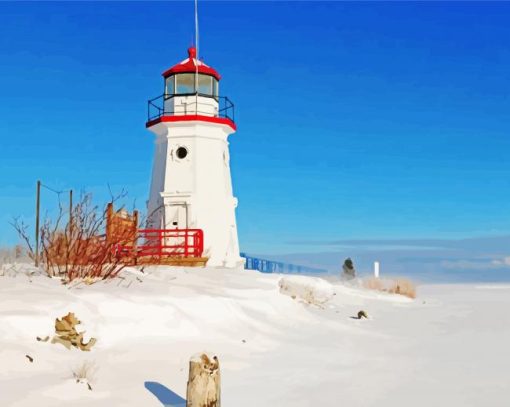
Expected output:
{"points": [[75, 245]]}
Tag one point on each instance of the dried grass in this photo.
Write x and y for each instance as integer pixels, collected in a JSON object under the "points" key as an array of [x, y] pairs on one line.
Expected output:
{"points": [[401, 286], [85, 372], [374, 284], [404, 287]]}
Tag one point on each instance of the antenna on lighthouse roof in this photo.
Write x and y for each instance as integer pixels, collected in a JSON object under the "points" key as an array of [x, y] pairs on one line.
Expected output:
{"points": [[196, 60], [196, 26]]}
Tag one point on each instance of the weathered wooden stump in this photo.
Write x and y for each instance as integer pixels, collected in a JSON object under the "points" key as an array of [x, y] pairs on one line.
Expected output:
{"points": [[203, 382]]}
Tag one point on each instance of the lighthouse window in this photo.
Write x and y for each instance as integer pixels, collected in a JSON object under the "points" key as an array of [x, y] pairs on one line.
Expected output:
{"points": [[185, 83], [170, 85], [215, 87], [205, 85], [181, 152]]}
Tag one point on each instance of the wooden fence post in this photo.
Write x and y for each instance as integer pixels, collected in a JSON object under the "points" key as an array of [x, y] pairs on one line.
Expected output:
{"points": [[109, 219], [204, 382], [134, 249], [37, 210]]}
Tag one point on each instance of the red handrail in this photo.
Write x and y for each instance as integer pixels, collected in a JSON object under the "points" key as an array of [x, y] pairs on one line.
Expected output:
{"points": [[164, 243]]}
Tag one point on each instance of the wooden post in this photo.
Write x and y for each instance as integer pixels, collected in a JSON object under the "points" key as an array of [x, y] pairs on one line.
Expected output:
{"points": [[204, 382], [70, 212], [134, 254], [37, 210], [109, 218]]}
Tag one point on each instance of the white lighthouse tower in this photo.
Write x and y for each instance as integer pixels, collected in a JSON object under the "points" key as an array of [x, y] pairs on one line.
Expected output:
{"points": [[191, 185]]}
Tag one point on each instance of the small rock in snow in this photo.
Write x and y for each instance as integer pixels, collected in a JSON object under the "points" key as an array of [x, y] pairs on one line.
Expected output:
{"points": [[362, 314]]}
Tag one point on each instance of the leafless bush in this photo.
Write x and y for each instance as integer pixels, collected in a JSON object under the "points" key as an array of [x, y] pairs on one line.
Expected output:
{"points": [[400, 286], [77, 246]]}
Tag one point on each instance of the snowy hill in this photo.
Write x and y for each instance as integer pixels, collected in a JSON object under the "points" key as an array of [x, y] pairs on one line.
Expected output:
{"points": [[449, 347]]}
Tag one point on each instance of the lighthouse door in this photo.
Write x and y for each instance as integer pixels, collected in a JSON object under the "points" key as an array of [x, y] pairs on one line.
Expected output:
{"points": [[177, 216], [176, 219]]}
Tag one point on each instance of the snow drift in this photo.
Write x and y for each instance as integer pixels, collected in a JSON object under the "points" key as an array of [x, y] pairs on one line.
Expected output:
{"points": [[312, 290], [273, 351]]}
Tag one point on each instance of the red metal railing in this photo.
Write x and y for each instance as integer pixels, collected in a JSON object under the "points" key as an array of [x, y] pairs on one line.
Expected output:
{"points": [[164, 243], [171, 242]]}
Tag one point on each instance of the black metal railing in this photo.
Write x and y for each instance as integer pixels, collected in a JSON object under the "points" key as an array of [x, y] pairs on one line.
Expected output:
{"points": [[158, 107]]}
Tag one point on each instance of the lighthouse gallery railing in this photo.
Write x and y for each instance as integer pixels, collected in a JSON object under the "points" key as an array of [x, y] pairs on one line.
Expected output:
{"points": [[157, 107]]}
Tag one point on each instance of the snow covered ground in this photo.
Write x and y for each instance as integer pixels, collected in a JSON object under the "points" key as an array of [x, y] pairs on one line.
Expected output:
{"points": [[449, 347]]}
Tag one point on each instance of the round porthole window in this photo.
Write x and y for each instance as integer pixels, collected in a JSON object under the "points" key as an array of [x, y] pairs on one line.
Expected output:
{"points": [[181, 153]]}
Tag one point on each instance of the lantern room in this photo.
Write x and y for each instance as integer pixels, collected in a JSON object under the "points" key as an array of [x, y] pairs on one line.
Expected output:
{"points": [[186, 84], [181, 79], [190, 88]]}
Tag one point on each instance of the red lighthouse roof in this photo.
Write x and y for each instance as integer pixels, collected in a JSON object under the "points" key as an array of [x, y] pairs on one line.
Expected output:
{"points": [[189, 65]]}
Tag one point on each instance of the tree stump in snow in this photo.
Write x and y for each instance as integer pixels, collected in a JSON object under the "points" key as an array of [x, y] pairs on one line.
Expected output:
{"points": [[203, 382]]}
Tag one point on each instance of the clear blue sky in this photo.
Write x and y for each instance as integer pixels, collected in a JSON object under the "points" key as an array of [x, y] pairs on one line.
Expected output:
{"points": [[355, 120]]}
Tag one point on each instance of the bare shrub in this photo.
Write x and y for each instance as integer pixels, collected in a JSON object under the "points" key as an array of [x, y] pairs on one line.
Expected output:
{"points": [[77, 246], [400, 286]]}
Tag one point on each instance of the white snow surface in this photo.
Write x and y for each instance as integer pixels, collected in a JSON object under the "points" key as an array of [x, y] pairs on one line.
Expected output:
{"points": [[449, 347]]}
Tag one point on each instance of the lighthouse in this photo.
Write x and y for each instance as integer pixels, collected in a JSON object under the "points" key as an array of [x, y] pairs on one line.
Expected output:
{"points": [[191, 185]]}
